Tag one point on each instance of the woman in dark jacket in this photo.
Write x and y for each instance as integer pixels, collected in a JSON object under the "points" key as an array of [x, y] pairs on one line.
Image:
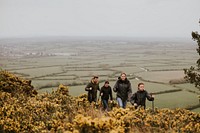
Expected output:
{"points": [[123, 89], [105, 92], [139, 98], [92, 88]]}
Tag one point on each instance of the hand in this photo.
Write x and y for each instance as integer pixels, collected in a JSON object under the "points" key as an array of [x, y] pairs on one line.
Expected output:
{"points": [[101, 94], [152, 96], [135, 104], [90, 88]]}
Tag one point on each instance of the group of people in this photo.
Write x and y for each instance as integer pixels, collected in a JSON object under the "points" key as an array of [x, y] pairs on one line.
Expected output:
{"points": [[123, 91]]}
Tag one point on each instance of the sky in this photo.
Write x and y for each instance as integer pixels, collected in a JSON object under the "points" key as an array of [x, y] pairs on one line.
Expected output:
{"points": [[108, 18]]}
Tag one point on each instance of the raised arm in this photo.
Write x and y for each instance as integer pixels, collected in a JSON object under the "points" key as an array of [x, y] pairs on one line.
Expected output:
{"points": [[149, 96]]}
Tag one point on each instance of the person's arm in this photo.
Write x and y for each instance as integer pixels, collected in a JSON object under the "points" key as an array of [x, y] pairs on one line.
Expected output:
{"points": [[98, 87], [111, 97], [101, 91], [88, 87], [133, 98], [149, 96], [129, 91], [115, 88]]}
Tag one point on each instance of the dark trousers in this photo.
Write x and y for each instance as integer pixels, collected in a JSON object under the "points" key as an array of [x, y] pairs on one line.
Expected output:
{"points": [[105, 104]]}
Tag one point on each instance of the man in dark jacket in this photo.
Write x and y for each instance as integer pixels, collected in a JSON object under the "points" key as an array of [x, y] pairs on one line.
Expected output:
{"points": [[105, 92], [123, 89], [139, 98], [92, 88]]}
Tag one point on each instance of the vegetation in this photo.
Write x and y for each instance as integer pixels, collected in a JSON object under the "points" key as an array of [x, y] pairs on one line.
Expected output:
{"points": [[23, 110], [193, 73]]}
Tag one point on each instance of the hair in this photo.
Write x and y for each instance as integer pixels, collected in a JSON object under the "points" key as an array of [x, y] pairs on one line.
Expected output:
{"points": [[140, 84], [123, 73], [106, 82], [95, 77]]}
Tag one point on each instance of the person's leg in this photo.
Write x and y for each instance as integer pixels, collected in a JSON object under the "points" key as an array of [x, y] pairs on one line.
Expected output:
{"points": [[124, 104], [94, 98], [120, 103], [90, 97], [105, 104]]}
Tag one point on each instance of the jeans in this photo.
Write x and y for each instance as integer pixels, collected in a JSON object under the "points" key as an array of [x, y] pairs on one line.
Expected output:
{"points": [[105, 104], [121, 103]]}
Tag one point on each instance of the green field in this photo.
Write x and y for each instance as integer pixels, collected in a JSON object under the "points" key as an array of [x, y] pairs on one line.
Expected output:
{"points": [[176, 100], [73, 62], [196, 110]]}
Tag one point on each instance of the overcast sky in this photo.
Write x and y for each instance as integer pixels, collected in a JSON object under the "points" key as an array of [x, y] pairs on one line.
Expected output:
{"points": [[131, 18]]}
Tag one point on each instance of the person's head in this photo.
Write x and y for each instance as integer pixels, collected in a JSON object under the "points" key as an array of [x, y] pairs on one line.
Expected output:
{"points": [[106, 83], [123, 76], [95, 79], [141, 86]]}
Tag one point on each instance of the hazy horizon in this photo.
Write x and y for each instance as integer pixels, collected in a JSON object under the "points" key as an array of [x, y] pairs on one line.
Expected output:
{"points": [[103, 38], [113, 18]]}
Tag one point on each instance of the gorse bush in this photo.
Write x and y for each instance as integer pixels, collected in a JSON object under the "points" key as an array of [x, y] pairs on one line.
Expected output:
{"points": [[15, 85], [23, 110]]}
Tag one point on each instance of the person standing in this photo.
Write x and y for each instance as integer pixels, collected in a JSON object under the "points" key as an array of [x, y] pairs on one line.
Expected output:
{"points": [[139, 98], [92, 88], [105, 93], [123, 89]]}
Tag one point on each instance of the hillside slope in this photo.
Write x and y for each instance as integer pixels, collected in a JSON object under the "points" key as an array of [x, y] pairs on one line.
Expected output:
{"points": [[22, 109]]}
